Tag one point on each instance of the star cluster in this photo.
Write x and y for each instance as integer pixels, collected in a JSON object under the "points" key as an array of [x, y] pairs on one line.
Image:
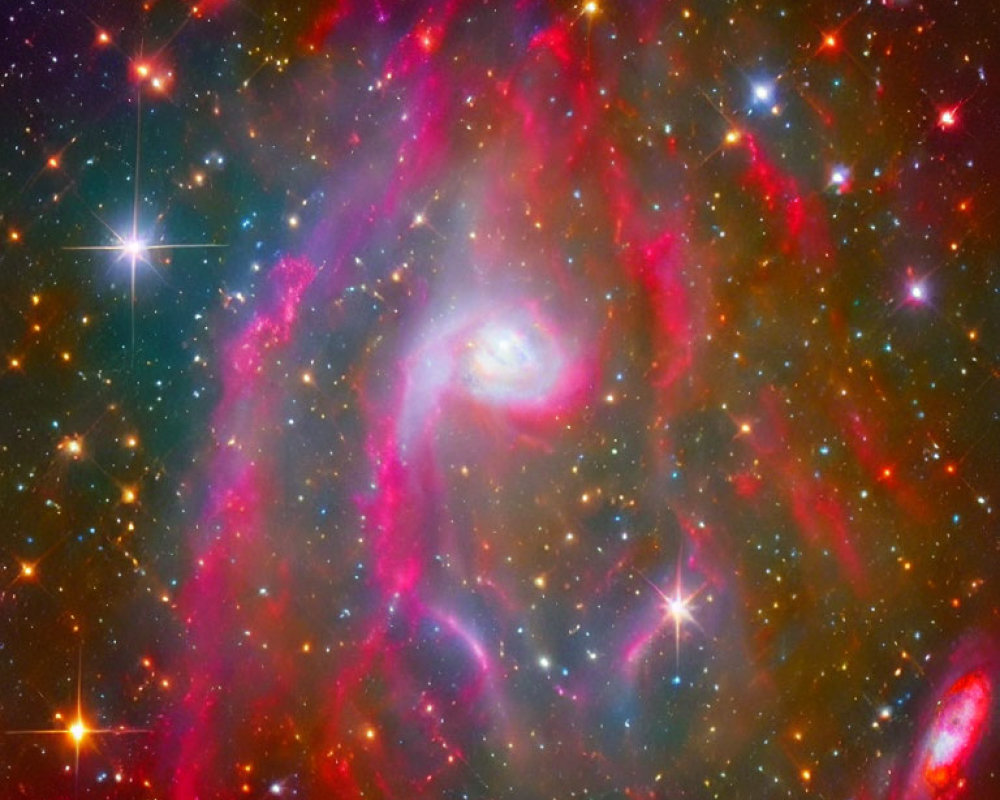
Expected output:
{"points": [[499, 400]]}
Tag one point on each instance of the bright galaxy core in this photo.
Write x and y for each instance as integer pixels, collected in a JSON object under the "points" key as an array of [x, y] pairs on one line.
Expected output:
{"points": [[533, 400], [511, 363]]}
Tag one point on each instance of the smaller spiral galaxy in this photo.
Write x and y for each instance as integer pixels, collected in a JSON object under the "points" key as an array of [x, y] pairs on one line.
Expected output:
{"points": [[950, 751], [957, 730]]}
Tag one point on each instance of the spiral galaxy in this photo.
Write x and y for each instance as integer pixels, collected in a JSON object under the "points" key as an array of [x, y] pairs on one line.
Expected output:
{"points": [[499, 400]]}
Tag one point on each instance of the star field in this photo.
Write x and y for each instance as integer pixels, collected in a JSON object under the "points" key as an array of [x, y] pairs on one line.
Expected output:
{"points": [[473, 400]]}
